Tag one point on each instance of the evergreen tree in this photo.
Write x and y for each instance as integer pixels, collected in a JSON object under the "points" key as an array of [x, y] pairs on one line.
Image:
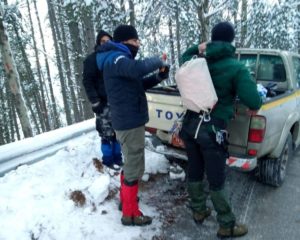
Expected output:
{"points": [[282, 28], [258, 25], [13, 78]]}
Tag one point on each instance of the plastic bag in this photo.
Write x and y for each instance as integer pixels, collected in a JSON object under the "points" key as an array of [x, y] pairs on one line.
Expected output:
{"points": [[262, 91]]}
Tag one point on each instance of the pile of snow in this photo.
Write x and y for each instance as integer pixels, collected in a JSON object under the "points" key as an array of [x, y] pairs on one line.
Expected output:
{"points": [[35, 200]]}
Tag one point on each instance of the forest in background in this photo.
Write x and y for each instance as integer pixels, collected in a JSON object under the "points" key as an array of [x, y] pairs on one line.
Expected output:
{"points": [[43, 44]]}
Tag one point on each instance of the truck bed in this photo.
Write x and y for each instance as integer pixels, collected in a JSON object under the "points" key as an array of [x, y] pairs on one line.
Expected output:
{"points": [[165, 107]]}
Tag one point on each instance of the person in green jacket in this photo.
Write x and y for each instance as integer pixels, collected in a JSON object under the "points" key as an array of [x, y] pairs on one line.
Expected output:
{"points": [[207, 152]]}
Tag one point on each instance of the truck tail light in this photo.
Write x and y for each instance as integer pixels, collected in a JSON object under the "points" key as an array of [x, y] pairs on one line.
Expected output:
{"points": [[151, 130], [257, 129]]}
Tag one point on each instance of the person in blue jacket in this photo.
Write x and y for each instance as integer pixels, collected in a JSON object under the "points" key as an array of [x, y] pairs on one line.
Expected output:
{"points": [[125, 84], [95, 91]]}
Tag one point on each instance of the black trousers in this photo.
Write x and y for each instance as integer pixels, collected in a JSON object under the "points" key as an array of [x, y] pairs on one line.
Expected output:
{"points": [[205, 155]]}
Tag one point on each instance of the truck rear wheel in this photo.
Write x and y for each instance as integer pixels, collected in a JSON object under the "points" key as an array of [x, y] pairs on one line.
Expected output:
{"points": [[272, 171]]}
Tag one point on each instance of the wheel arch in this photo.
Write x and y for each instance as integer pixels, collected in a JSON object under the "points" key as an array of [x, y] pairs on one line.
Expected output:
{"points": [[291, 126], [295, 131]]}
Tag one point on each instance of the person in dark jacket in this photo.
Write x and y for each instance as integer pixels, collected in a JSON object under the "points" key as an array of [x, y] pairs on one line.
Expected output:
{"points": [[125, 84], [207, 151], [95, 90]]}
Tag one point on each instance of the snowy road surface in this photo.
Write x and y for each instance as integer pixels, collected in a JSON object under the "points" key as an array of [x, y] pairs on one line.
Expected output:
{"points": [[270, 213]]}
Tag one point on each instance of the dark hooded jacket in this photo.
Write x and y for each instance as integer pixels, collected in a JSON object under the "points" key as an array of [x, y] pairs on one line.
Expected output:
{"points": [[92, 77], [93, 80], [125, 84]]}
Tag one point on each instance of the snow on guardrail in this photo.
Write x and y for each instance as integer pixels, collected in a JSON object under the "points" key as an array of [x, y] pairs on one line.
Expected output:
{"points": [[33, 149]]}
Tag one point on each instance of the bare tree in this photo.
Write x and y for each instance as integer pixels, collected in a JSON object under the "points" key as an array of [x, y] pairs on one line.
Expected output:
{"points": [[53, 101], [244, 23], [62, 40], [172, 47], [205, 11], [55, 34], [177, 30], [202, 10], [10, 121], [77, 60], [122, 6], [32, 95], [131, 13], [5, 136], [88, 29], [13, 110], [13, 78], [44, 111]]}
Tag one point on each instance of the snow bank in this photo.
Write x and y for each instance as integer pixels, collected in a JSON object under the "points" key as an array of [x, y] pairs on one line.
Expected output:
{"points": [[35, 200]]}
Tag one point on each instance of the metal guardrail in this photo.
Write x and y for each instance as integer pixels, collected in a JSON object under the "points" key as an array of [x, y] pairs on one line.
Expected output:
{"points": [[31, 150]]}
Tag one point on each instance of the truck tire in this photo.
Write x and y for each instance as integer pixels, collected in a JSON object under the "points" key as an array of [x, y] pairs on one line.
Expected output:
{"points": [[272, 171]]}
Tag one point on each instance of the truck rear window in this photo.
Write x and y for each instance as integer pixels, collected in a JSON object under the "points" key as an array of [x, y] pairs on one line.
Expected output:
{"points": [[266, 69], [271, 68]]}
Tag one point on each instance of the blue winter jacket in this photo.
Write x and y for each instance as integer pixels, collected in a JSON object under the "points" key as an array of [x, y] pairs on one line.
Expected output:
{"points": [[125, 84]]}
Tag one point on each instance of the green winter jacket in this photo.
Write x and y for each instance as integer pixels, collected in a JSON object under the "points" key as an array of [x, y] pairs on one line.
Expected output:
{"points": [[230, 78]]}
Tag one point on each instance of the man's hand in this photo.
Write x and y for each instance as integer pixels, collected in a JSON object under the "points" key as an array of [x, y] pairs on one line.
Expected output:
{"points": [[97, 108], [202, 48], [163, 72]]}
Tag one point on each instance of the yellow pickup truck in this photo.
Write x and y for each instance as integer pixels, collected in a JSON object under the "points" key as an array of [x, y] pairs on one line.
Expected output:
{"points": [[264, 141]]}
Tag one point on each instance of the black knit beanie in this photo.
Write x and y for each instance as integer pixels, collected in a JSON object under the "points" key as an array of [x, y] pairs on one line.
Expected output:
{"points": [[124, 33], [223, 31], [101, 34]]}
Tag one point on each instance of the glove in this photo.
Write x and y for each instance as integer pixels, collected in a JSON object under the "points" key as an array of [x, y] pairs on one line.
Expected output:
{"points": [[163, 72], [97, 108]]}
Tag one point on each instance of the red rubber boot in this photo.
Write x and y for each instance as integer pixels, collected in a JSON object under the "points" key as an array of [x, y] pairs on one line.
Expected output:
{"points": [[130, 207]]}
